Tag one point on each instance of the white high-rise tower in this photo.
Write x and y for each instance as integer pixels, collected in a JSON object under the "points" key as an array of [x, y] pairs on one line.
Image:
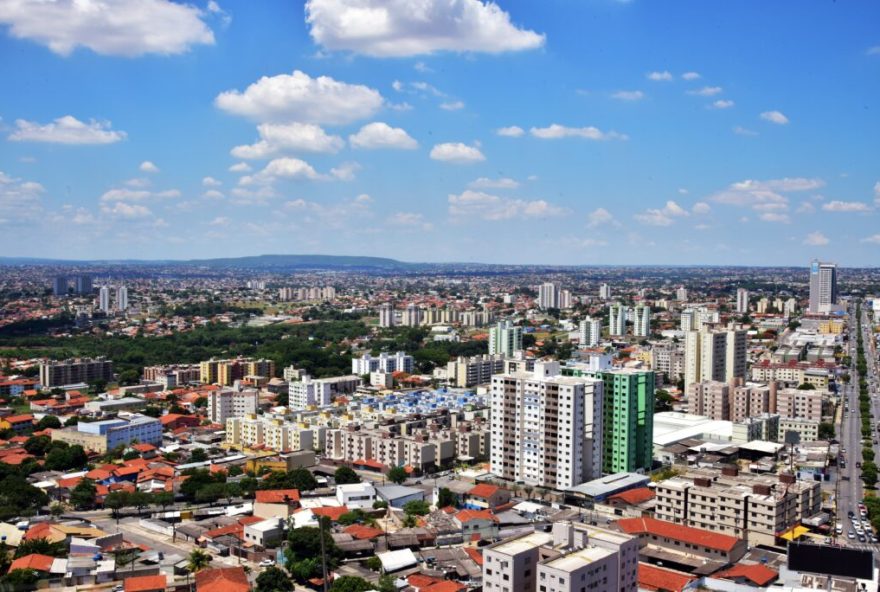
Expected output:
{"points": [[121, 298], [104, 298]]}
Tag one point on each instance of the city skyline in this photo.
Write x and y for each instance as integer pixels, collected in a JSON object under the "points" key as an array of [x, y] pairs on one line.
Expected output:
{"points": [[679, 134]]}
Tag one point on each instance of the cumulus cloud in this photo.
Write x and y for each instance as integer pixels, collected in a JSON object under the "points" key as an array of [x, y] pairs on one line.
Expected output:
{"points": [[765, 196], [219, 221], [345, 171], [628, 95], [299, 97], [452, 105], [722, 104], [662, 217], [514, 131], [213, 194], [399, 28], [108, 27], [744, 131], [691, 76], [873, 239], [556, 131], [410, 220], [477, 204], [148, 167], [293, 137], [662, 76], [846, 206], [66, 130], [211, 182], [701, 207], [128, 195], [776, 117], [128, 211], [457, 153], [706, 91], [240, 167], [600, 217], [282, 168], [816, 239], [381, 135], [774, 217], [487, 183], [19, 199]]}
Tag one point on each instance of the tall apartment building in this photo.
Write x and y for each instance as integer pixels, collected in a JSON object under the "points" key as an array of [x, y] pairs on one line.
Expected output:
{"points": [[505, 338], [752, 507], [226, 372], [709, 398], [467, 372], [385, 362], [565, 299], [616, 320], [227, 403], [386, 314], [270, 433], [823, 287], [714, 355], [548, 295], [299, 294], [668, 359], [309, 391], [642, 321], [752, 400], [798, 404], [412, 316], [83, 284], [121, 298], [590, 330], [742, 300], [104, 298], [172, 375], [546, 428], [605, 292], [75, 371], [681, 294], [628, 418], [59, 285], [574, 558]]}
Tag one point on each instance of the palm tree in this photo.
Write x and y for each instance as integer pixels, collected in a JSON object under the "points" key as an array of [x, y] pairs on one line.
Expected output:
{"points": [[197, 561]]}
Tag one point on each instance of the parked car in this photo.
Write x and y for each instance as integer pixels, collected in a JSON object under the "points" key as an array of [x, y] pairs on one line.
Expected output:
{"points": [[267, 563]]}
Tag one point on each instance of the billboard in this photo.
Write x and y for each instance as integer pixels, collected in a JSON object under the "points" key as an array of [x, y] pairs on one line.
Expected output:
{"points": [[833, 561]]}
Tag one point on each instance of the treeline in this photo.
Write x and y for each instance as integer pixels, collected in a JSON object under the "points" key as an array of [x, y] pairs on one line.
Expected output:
{"points": [[427, 355]]}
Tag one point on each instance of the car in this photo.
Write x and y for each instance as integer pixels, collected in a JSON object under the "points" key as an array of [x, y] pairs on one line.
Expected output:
{"points": [[118, 588], [850, 514], [862, 538], [267, 563], [851, 535]]}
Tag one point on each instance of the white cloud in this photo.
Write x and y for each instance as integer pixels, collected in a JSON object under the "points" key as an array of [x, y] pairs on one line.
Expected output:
{"points": [[487, 183], [701, 207], [691, 76], [108, 27], [295, 137], [457, 153], [873, 239], [662, 217], [282, 168], [875, 50], [422, 67], [556, 131], [219, 221], [723, 104], [121, 209], [128, 195], [743, 131], [240, 167], [211, 182], [846, 206], [664, 76], [452, 105], [299, 97], [19, 200], [345, 171], [148, 167], [776, 117], [706, 91], [66, 130], [476, 204], [628, 95], [514, 131], [806, 208], [599, 217], [774, 217], [411, 220], [877, 192], [765, 195], [816, 239], [138, 182], [381, 135], [397, 28], [213, 194]]}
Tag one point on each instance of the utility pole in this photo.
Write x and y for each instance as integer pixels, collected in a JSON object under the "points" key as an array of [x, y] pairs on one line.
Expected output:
{"points": [[323, 553]]}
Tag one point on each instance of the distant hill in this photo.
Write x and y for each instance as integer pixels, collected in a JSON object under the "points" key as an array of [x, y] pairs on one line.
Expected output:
{"points": [[267, 262]]}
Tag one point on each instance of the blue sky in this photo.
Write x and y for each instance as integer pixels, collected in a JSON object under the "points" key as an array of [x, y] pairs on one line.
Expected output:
{"points": [[558, 132]]}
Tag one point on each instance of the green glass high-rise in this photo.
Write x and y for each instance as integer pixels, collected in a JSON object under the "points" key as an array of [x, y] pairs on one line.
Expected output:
{"points": [[628, 418]]}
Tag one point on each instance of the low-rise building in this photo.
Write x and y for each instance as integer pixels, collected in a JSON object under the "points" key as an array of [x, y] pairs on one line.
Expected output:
{"points": [[101, 436]]}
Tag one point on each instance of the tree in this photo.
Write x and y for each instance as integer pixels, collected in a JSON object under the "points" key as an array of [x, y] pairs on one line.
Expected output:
{"points": [[305, 543], [373, 563], [397, 475], [83, 495], [163, 498], [197, 560], [416, 507], [350, 584], [273, 580], [386, 584], [115, 501], [826, 430], [198, 455], [380, 505], [344, 475], [806, 386], [303, 479], [40, 547], [445, 497], [20, 579], [410, 521], [48, 421]]}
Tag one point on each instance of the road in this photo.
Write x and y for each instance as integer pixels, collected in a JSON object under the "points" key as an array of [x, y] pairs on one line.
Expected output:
{"points": [[849, 488]]}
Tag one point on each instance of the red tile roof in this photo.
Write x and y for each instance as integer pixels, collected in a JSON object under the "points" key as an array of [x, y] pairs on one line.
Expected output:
{"points": [[634, 496], [652, 577], [361, 532], [678, 532], [33, 561], [332, 512], [468, 515], [19, 418], [758, 574], [224, 579], [474, 554], [484, 490], [444, 586], [145, 583], [418, 580], [277, 496]]}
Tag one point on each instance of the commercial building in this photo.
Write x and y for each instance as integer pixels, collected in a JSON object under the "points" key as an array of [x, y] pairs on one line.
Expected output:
{"points": [[101, 436], [467, 372], [823, 287], [227, 403], [546, 428], [75, 371], [628, 418], [385, 362], [505, 339], [110, 406]]}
